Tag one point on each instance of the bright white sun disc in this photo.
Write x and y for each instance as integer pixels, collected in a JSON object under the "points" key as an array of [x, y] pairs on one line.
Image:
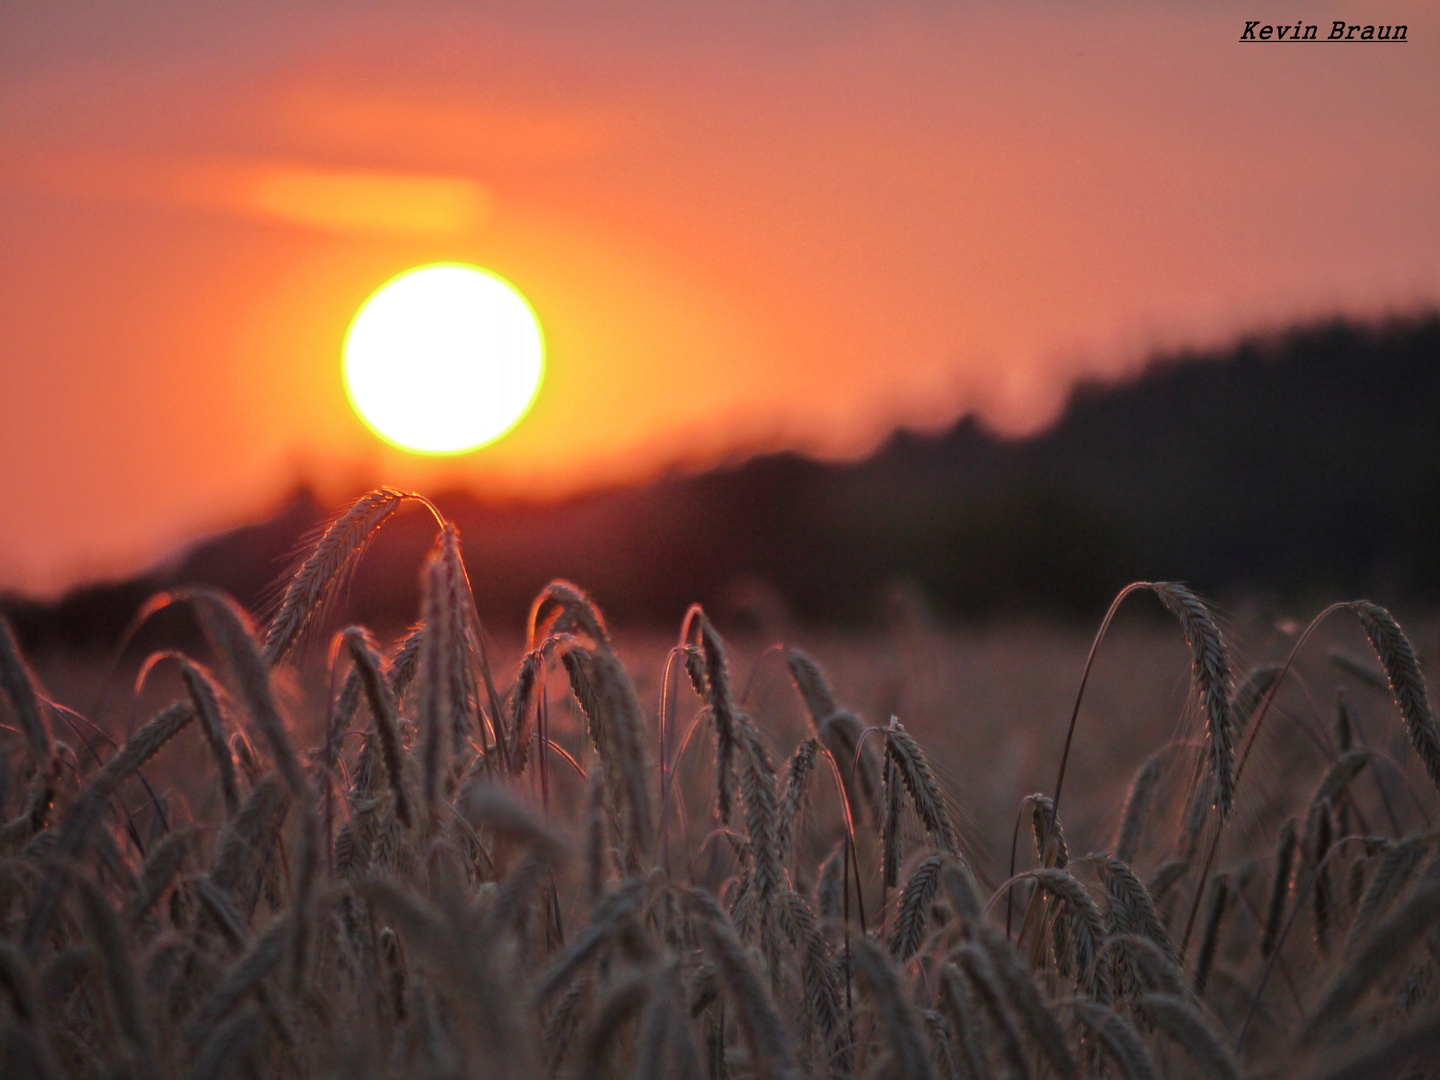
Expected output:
{"points": [[443, 359]]}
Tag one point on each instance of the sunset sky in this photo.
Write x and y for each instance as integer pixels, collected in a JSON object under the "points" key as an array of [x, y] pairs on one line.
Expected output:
{"points": [[743, 226]]}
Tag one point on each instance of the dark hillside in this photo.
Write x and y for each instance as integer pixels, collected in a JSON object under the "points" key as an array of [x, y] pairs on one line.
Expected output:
{"points": [[1304, 461]]}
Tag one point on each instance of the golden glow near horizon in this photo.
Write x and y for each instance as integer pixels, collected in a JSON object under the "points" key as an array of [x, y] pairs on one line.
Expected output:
{"points": [[444, 359]]}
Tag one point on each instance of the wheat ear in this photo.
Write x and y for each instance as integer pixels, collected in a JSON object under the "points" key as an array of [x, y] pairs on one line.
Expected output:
{"points": [[1137, 808], [1120, 1040], [87, 809], [575, 612], [890, 854], [160, 868], [1387, 941], [1407, 685], [607, 916], [813, 687], [1024, 997], [564, 1022], [1179, 1019], [234, 638], [792, 798], [205, 696], [955, 1006], [439, 653], [817, 972], [230, 630], [520, 697], [666, 1047], [1086, 926], [757, 788], [1210, 673], [245, 845], [110, 945], [901, 1023], [335, 552], [1148, 963], [913, 914], [1130, 911], [920, 782], [371, 668], [1279, 886], [759, 1022], [1050, 846], [616, 727], [722, 714], [244, 976], [1395, 871]]}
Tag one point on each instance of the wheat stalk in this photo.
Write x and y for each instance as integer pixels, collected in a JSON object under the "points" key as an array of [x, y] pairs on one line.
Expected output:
{"points": [[1250, 693]]}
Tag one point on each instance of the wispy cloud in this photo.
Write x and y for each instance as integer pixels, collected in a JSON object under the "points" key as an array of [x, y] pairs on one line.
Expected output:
{"points": [[343, 201]]}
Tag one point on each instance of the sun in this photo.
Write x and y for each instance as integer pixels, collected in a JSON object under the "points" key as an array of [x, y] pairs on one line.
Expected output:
{"points": [[444, 359]]}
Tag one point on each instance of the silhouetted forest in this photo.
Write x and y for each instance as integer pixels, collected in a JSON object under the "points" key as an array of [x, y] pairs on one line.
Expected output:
{"points": [[1305, 461]]}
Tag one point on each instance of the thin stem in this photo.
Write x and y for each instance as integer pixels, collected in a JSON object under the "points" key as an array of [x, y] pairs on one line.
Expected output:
{"points": [[1014, 845], [156, 603], [1080, 694], [849, 844], [759, 660], [667, 708]]}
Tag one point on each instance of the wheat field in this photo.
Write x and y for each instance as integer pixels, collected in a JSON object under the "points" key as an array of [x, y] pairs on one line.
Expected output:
{"points": [[452, 870]]}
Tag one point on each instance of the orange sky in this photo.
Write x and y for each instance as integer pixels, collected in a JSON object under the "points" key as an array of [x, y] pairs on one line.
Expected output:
{"points": [[743, 226]]}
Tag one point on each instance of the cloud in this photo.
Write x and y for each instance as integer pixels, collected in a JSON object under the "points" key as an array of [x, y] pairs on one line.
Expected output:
{"points": [[349, 202], [360, 202]]}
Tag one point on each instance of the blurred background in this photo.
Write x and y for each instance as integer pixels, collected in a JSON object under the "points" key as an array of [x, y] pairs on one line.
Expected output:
{"points": [[853, 309]]}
